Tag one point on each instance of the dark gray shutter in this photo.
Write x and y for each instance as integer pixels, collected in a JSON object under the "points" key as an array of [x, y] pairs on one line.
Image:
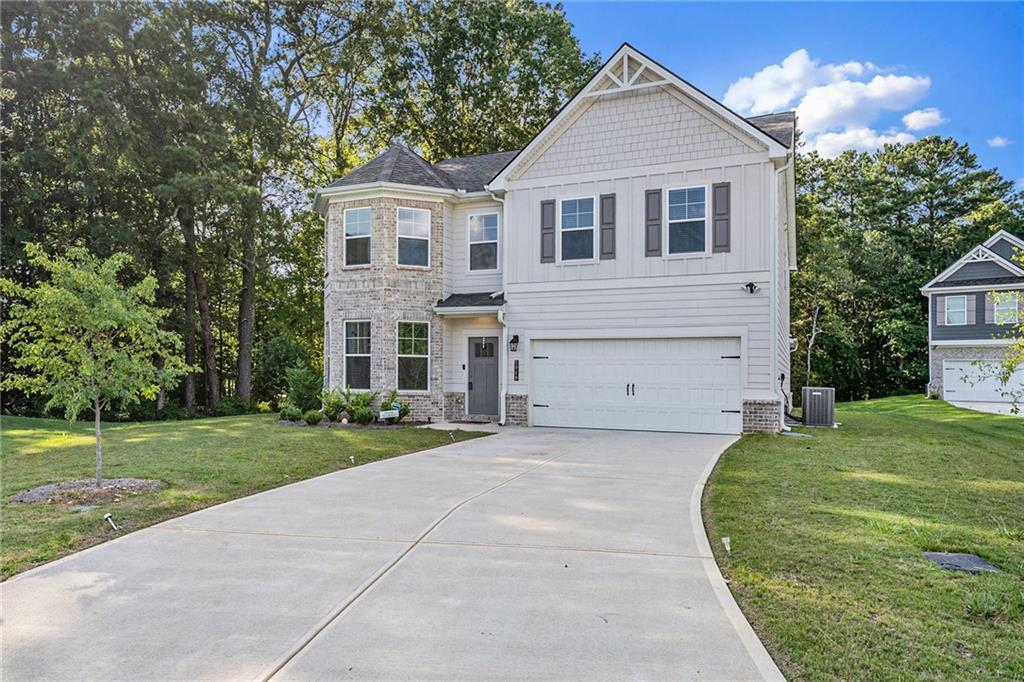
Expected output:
{"points": [[547, 231], [720, 217], [652, 222], [607, 226]]}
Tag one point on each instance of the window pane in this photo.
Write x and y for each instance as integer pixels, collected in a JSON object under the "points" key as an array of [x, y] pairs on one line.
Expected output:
{"points": [[568, 220], [483, 228], [413, 223], [676, 196], [956, 317], [412, 374], [586, 205], [357, 372], [413, 251], [956, 303], [695, 210], [585, 219], [695, 195], [483, 256], [357, 251], [412, 338], [357, 337], [357, 222], [577, 244], [677, 211], [686, 237]]}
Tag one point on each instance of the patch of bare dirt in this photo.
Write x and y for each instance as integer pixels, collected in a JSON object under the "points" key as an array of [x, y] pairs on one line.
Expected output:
{"points": [[72, 493]]}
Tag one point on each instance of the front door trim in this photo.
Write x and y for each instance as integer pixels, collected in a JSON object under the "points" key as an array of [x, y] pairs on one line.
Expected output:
{"points": [[482, 373]]}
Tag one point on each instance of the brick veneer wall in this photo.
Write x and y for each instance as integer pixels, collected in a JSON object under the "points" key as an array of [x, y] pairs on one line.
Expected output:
{"points": [[454, 405], [385, 293], [940, 353], [517, 409], [761, 416]]}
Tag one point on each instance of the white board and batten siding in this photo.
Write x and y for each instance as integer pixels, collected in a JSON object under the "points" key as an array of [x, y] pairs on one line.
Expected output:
{"points": [[625, 145], [458, 278]]}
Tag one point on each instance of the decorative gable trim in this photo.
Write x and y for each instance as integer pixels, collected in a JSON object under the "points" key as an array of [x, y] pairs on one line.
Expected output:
{"points": [[627, 70], [1003, 234], [979, 254]]}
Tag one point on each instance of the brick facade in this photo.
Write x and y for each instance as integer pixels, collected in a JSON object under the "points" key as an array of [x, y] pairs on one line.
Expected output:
{"points": [[454, 405], [385, 293], [761, 416], [939, 353], [517, 410]]}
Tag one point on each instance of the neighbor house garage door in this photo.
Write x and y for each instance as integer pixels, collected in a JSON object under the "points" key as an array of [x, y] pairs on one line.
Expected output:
{"points": [[642, 384], [963, 381]]}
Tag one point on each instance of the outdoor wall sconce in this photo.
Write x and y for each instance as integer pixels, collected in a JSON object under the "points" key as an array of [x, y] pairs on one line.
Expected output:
{"points": [[513, 343], [751, 287]]}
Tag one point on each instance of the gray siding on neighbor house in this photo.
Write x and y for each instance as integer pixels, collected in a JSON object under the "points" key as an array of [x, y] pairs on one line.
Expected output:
{"points": [[978, 270], [979, 331], [1005, 249]]}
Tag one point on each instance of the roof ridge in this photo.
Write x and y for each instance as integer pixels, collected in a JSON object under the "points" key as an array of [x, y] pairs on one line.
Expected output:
{"points": [[470, 156], [436, 173]]}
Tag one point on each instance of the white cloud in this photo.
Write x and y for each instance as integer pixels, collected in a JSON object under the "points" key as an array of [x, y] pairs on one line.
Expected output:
{"points": [[922, 119], [778, 85], [831, 145], [999, 142], [836, 104]]}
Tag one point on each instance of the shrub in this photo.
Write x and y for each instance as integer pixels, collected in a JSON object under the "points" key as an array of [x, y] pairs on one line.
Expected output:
{"points": [[290, 412], [263, 406], [334, 403], [360, 406], [231, 406], [360, 415], [403, 408], [269, 362], [312, 417], [304, 387]]}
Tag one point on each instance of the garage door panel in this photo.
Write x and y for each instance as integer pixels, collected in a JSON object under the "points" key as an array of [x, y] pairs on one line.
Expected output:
{"points": [[677, 384], [963, 381]]}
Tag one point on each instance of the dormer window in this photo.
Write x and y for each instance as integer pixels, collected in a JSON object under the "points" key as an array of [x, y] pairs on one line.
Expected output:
{"points": [[483, 242], [357, 236], [414, 237]]}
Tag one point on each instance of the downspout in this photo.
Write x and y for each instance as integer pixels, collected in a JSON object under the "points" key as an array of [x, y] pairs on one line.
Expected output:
{"points": [[503, 355], [775, 290]]}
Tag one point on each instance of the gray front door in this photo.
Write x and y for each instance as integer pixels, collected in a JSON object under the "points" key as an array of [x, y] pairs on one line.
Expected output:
{"points": [[483, 375]]}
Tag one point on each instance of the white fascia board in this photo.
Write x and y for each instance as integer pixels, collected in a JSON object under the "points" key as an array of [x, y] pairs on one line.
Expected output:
{"points": [[1009, 286], [775, 150], [977, 254], [1003, 234], [964, 343], [325, 194], [467, 311]]}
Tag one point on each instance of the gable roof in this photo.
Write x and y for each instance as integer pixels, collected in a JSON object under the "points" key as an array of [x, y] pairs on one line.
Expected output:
{"points": [[648, 73], [979, 254], [471, 173], [781, 126]]}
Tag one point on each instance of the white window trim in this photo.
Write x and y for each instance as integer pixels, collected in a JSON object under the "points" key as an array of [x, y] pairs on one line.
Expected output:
{"points": [[397, 356], [707, 224], [945, 311], [427, 239], [1011, 299], [346, 355], [470, 243], [345, 238], [592, 228]]}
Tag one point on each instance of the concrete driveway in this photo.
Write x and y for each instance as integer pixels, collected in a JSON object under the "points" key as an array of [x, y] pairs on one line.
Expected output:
{"points": [[535, 553]]}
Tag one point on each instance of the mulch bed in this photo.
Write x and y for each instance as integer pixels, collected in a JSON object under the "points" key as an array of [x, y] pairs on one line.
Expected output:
{"points": [[73, 493], [350, 425]]}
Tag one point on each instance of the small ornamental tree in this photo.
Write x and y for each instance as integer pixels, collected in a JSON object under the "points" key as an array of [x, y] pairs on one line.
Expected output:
{"points": [[85, 339]]}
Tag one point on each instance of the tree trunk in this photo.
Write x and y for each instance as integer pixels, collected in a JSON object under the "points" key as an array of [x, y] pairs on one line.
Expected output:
{"points": [[99, 443], [188, 228], [190, 333], [246, 315]]}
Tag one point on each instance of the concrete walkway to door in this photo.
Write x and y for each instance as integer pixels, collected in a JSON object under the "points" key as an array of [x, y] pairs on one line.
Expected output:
{"points": [[535, 553]]}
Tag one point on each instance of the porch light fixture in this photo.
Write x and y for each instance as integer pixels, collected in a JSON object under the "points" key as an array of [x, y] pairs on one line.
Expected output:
{"points": [[751, 287], [513, 343]]}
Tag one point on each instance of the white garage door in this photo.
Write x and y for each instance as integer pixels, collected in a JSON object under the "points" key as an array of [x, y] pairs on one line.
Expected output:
{"points": [[962, 381], [690, 385]]}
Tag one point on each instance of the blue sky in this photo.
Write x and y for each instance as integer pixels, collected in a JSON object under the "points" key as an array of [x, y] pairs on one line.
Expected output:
{"points": [[857, 73]]}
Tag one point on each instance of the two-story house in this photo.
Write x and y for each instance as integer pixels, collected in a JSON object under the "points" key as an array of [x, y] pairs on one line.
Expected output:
{"points": [[974, 308], [627, 269]]}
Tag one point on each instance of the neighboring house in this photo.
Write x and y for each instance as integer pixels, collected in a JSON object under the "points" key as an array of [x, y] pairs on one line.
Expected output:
{"points": [[973, 310], [627, 269]]}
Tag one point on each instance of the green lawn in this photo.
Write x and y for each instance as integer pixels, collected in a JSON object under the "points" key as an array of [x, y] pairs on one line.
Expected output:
{"points": [[203, 462], [827, 535]]}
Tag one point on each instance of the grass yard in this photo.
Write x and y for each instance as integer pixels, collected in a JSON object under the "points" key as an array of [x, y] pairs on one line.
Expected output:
{"points": [[827, 535], [203, 462]]}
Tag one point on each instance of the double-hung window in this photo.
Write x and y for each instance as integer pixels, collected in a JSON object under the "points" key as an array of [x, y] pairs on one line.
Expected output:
{"points": [[956, 310], [483, 242], [1005, 307], [414, 237], [687, 220], [413, 356], [576, 222], [357, 236], [357, 354]]}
